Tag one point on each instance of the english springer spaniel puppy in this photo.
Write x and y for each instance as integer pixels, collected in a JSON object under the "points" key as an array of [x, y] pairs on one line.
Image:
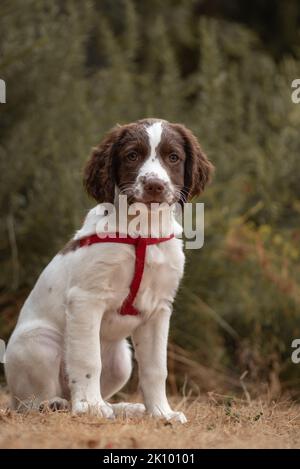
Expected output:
{"points": [[69, 346]]}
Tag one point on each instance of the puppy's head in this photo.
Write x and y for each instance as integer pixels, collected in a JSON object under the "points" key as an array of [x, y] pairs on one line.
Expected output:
{"points": [[150, 160]]}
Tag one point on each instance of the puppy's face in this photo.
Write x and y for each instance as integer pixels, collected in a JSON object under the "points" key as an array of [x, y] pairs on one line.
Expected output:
{"points": [[149, 161], [149, 164]]}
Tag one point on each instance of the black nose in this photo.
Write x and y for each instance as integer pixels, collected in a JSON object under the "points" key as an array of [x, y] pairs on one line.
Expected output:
{"points": [[154, 187]]}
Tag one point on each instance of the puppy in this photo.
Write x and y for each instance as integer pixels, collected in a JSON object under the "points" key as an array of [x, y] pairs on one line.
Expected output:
{"points": [[69, 346]]}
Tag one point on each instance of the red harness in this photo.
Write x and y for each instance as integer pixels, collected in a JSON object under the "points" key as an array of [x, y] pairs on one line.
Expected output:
{"points": [[140, 245]]}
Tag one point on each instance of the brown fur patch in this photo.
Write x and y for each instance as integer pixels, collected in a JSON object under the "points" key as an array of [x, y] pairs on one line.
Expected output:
{"points": [[198, 168]]}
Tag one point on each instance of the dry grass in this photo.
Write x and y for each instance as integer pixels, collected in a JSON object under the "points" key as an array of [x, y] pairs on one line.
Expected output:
{"points": [[214, 422]]}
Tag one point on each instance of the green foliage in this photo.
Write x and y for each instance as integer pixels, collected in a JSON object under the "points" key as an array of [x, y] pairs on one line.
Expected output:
{"points": [[46, 133], [72, 72]]}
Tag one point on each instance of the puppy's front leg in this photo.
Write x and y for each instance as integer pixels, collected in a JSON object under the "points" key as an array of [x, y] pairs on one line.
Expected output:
{"points": [[150, 343], [83, 358]]}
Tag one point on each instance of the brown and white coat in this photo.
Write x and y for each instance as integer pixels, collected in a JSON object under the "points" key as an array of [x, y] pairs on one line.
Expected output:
{"points": [[69, 345]]}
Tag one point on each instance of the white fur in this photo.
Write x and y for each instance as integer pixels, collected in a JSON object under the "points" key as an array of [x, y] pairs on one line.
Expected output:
{"points": [[152, 166], [154, 132], [70, 338]]}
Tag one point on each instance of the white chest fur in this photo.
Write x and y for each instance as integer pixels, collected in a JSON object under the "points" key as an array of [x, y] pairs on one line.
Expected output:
{"points": [[105, 271], [162, 273]]}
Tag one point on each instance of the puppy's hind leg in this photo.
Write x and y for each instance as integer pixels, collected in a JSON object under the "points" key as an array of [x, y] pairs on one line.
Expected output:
{"points": [[32, 368], [116, 371], [116, 367]]}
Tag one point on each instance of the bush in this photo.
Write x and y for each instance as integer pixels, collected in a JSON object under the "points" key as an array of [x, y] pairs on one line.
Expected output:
{"points": [[75, 71]]}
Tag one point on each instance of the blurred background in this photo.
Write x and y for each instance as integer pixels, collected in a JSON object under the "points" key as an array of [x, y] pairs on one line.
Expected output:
{"points": [[224, 68]]}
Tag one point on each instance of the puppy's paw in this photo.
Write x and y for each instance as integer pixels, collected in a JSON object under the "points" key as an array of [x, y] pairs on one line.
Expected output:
{"points": [[170, 416], [98, 409], [55, 404], [128, 410], [176, 417]]}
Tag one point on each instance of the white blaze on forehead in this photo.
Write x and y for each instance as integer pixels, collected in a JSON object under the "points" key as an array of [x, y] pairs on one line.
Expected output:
{"points": [[154, 132], [152, 164]]}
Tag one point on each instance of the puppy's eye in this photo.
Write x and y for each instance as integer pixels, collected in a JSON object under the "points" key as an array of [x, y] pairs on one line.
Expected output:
{"points": [[173, 158], [133, 156]]}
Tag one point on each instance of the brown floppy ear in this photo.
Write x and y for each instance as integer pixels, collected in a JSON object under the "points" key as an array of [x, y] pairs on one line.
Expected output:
{"points": [[198, 168], [99, 178]]}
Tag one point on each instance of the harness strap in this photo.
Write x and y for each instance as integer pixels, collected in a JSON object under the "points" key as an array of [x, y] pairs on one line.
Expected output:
{"points": [[140, 245]]}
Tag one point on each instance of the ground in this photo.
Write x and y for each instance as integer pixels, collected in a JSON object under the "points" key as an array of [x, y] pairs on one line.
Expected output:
{"points": [[214, 422]]}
